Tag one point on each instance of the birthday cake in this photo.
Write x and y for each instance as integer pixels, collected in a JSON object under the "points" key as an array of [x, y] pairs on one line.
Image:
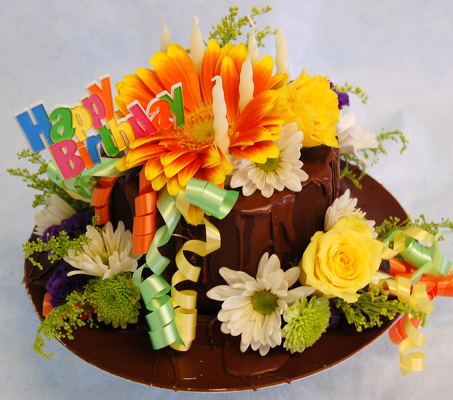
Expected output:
{"points": [[211, 227]]}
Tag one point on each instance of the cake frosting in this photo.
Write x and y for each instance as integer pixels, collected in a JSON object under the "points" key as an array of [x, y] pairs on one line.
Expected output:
{"points": [[234, 234]]}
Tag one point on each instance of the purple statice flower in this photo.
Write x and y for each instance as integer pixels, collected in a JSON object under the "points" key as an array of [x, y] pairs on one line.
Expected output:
{"points": [[343, 98], [72, 226], [60, 285], [335, 316]]}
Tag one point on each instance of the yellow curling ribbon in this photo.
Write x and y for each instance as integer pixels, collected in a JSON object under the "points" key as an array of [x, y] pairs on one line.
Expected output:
{"points": [[172, 320], [412, 361], [184, 301], [401, 287]]}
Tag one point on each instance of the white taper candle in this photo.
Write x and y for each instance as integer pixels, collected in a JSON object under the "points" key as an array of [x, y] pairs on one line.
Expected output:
{"points": [[220, 116], [197, 46]]}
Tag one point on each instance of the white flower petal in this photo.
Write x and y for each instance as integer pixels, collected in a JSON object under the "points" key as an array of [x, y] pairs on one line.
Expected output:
{"points": [[292, 275]]}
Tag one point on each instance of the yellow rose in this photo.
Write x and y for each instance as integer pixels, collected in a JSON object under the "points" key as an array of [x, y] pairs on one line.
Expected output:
{"points": [[311, 103], [342, 260]]}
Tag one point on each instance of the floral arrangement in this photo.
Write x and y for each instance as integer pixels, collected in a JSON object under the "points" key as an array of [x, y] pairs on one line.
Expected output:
{"points": [[242, 125]]}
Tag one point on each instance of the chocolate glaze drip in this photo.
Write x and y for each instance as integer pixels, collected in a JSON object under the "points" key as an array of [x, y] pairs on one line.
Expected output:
{"points": [[281, 225], [214, 362]]}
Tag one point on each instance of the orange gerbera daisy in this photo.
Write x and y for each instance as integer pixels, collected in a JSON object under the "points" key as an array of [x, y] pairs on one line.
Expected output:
{"points": [[175, 155]]}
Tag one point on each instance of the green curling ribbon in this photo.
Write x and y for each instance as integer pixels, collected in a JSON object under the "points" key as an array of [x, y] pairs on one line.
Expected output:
{"points": [[427, 260], [154, 289], [161, 321], [82, 184], [167, 207], [210, 198]]}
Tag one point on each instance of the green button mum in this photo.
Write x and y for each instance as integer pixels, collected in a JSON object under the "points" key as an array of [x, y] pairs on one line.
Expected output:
{"points": [[115, 300], [306, 322]]}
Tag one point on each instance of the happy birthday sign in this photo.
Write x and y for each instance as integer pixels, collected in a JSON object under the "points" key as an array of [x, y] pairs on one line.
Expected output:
{"points": [[64, 130]]}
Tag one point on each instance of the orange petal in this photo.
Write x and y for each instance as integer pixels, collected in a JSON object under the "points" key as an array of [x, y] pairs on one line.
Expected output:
{"points": [[258, 153], [170, 74], [154, 170], [211, 157], [256, 109], [121, 165], [174, 153], [179, 164], [251, 136], [187, 68], [151, 80], [188, 172], [215, 175], [211, 56], [159, 182], [230, 80], [173, 186], [238, 54], [262, 71]]}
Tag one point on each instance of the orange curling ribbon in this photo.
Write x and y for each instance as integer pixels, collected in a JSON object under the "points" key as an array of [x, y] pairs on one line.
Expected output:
{"points": [[100, 199], [144, 227], [46, 306]]}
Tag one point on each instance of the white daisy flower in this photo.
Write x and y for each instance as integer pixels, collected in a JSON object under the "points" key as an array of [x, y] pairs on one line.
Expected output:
{"points": [[344, 206], [353, 138], [276, 173], [252, 307], [107, 253], [55, 211]]}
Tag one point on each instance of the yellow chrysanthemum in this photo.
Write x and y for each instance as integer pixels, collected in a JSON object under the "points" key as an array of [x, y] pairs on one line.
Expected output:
{"points": [[310, 103], [173, 156]]}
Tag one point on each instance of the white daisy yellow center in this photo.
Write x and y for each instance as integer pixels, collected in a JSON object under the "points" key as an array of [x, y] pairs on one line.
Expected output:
{"points": [[264, 302], [270, 165]]}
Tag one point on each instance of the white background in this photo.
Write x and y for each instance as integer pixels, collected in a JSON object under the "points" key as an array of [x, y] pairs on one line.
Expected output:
{"points": [[399, 51]]}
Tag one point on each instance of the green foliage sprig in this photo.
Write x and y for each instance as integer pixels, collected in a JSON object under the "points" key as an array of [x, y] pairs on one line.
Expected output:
{"points": [[44, 185], [371, 306], [392, 224], [355, 90], [63, 320], [370, 154], [115, 301], [57, 247], [396, 136], [229, 29]]}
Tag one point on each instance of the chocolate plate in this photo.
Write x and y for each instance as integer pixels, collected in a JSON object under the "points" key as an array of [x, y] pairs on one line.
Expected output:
{"points": [[214, 362]]}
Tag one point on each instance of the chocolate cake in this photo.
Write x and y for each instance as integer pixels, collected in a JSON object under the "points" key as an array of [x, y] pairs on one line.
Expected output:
{"points": [[214, 362], [282, 224], [224, 252]]}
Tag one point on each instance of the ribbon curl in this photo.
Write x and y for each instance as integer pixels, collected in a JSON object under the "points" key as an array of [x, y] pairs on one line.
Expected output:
{"points": [[184, 301], [427, 260], [81, 187], [100, 199], [422, 276], [154, 289], [172, 320], [144, 227]]}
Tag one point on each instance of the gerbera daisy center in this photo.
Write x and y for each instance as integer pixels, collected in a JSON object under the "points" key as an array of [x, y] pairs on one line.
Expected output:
{"points": [[198, 130], [264, 302]]}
